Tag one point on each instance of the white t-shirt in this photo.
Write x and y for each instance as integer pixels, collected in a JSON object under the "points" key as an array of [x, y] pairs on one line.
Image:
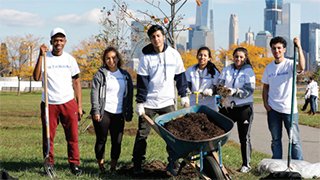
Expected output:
{"points": [[279, 78], [115, 92], [161, 69], [60, 70], [201, 80], [313, 88], [307, 96]]}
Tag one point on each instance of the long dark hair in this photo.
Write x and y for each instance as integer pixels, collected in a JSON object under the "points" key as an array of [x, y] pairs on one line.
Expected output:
{"points": [[245, 51], [109, 49], [210, 66]]}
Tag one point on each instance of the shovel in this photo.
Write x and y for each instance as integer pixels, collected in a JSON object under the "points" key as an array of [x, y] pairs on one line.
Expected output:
{"points": [[47, 164]]}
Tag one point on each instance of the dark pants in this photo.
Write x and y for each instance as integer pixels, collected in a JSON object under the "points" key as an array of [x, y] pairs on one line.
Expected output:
{"points": [[140, 145], [244, 117], [68, 113], [114, 123], [306, 102]]}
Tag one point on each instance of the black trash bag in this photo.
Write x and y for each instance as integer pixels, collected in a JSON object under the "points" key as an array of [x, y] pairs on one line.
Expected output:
{"points": [[5, 175], [284, 175]]}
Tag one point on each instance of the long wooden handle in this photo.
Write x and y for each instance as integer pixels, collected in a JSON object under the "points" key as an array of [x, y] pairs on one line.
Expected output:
{"points": [[151, 123], [46, 94]]}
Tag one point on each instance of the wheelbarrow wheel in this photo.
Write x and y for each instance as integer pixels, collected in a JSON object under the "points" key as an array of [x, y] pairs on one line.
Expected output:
{"points": [[211, 168]]}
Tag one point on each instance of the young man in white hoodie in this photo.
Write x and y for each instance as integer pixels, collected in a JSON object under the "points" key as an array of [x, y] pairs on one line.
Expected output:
{"points": [[160, 65]]}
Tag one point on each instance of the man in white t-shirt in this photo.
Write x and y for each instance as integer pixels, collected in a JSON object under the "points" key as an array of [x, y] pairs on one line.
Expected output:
{"points": [[159, 67], [307, 98], [313, 89], [277, 97], [63, 81]]}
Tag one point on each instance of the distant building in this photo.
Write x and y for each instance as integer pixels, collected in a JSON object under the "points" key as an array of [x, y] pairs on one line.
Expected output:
{"points": [[250, 37], [315, 50], [181, 40], [290, 27], [139, 39], [133, 64], [204, 17], [233, 30], [202, 36], [263, 39], [309, 44], [272, 15]]}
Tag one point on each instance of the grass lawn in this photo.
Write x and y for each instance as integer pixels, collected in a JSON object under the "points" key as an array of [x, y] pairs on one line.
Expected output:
{"points": [[21, 143]]}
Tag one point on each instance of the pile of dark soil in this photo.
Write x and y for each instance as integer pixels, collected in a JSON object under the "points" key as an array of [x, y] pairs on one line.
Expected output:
{"points": [[194, 126]]}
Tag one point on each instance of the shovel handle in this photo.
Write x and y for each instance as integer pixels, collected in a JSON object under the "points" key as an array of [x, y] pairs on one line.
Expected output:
{"points": [[151, 123]]}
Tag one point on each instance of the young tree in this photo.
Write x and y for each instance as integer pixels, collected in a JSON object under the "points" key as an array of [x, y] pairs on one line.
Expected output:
{"points": [[257, 55], [20, 50]]}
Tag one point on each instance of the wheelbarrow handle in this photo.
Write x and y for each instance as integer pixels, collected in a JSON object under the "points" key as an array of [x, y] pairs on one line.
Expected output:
{"points": [[151, 123]]}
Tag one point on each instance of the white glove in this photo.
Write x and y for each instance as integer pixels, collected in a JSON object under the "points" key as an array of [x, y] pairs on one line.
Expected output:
{"points": [[188, 92], [139, 109], [207, 92], [184, 100], [232, 91]]}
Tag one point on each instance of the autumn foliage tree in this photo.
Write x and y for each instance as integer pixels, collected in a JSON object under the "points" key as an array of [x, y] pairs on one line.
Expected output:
{"points": [[88, 55], [257, 55], [19, 54], [4, 61]]}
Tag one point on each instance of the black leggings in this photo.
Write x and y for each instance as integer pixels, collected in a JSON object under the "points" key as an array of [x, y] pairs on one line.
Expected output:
{"points": [[114, 122]]}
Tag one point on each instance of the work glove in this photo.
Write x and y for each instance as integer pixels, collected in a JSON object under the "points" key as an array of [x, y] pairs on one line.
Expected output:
{"points": [[232, 91], [207, 92], [184, 100], [188, 92], [139, 109]]}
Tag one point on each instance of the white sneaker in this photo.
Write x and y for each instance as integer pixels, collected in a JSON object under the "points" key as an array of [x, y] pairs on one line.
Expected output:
{"points": [[245, 169]]}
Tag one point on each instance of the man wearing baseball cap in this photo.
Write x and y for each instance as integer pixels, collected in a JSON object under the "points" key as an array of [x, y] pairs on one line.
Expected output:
{"points": [[63, 82]]}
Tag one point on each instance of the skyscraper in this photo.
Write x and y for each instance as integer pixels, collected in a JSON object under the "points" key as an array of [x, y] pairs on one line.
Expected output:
{"points": [[249, 37], [233, 30], [202, 36], [272, 15], [204, 14], [290, 27], [263, 39], [309, 44]]}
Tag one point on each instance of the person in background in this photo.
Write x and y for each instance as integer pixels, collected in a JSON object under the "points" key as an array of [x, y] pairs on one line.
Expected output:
{"points": [[63, 83], [307, 98], [203, 77], [240, 79], [313, 89], [160, 66], [277, 97], [111, 100]]}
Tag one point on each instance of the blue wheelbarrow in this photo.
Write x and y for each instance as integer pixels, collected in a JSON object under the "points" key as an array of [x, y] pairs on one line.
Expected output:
{"points": [[207, 152]]}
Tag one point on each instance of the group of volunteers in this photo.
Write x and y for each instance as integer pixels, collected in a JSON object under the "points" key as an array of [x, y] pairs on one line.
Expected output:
{"points": [[160, 70]]}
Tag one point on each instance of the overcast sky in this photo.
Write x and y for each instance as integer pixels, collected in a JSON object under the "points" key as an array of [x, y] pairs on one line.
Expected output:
{"points": [[80, 18]]}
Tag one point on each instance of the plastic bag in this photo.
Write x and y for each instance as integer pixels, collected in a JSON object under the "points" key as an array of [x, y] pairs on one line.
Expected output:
{"points": [[306, 169]]}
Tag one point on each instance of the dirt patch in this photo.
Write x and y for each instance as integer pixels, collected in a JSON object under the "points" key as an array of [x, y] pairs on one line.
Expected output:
{"points": [[194, 126], [156, 170]]}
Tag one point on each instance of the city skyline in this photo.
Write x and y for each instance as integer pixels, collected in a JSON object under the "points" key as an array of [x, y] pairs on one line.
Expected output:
{"points": [[19, 17]]}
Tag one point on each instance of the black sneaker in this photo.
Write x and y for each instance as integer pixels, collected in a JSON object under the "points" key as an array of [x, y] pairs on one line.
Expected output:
{"points": [[137, 168], [75, 169]]}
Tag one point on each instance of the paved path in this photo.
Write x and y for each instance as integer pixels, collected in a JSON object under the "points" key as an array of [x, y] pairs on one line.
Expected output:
{"points": [[261, 137]]}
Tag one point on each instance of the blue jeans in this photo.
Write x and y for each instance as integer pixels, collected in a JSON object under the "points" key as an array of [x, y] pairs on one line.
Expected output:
{"points": [[275, 120], [313, 101]]}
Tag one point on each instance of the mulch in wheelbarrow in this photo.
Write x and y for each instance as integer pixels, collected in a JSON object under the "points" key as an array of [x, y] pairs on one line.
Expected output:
{"points": [[194, 126]]}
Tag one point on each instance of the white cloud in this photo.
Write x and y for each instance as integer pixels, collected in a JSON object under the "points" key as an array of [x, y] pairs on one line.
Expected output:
{"points": [[189, 21], [92, 16], [12, 17]]}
